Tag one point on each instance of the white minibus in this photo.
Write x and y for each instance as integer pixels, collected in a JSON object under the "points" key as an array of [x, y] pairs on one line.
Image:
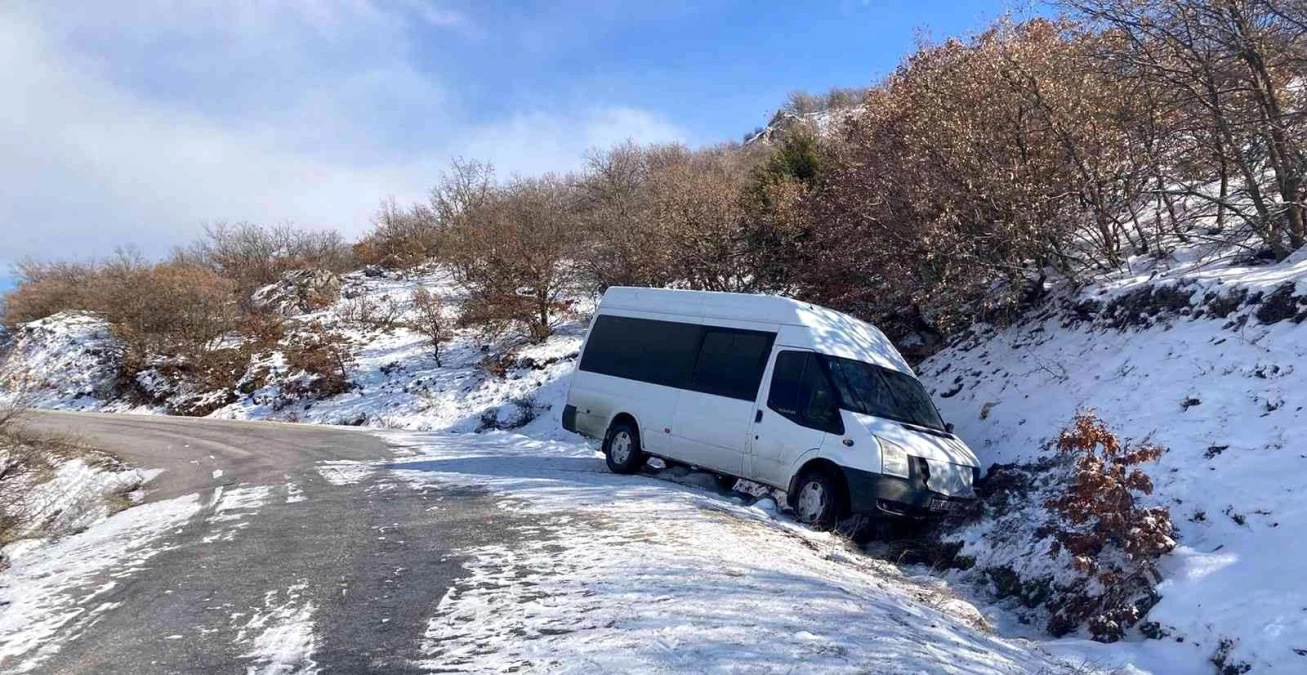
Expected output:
{"points": [[784, 393]]}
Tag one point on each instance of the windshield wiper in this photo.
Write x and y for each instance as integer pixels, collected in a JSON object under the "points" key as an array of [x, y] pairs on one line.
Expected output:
{"points": [[925, 430]]}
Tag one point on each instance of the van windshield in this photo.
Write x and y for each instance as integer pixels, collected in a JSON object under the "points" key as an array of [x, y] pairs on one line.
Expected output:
{"points": [[881, 392]]}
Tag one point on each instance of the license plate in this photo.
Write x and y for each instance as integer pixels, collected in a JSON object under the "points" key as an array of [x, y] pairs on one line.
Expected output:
{"points": [[942, 505]]}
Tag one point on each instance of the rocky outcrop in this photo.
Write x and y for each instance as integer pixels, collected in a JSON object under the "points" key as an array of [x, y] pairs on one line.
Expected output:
{"points": [[298, 292]]}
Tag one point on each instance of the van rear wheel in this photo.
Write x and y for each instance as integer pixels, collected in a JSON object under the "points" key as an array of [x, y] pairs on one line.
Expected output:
{"points": [[817, 500], [622, 450]]}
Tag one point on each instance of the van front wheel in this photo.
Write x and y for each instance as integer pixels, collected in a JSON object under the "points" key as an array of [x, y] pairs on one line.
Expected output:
{"points": [[622, 450], [817, 500]]}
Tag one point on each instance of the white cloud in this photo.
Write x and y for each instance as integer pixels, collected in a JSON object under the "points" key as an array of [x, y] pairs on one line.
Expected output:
{"points": [[93, 158]]}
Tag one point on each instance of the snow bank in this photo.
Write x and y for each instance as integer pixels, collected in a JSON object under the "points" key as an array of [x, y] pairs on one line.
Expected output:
{"points": [[1208, 362], [73, 495], [36, 591]]}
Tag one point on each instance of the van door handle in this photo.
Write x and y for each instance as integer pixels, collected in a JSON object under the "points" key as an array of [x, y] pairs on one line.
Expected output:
{"points": [[758, 417]]}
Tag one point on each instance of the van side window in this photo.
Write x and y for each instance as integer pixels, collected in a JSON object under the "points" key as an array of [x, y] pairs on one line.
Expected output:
{"points": [[731, 362], [802, 393], [657, 352]]}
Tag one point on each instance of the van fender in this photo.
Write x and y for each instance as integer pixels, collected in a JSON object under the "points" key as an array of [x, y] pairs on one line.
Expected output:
{"points": [[639, 426], [798, 466], [844, 457]]}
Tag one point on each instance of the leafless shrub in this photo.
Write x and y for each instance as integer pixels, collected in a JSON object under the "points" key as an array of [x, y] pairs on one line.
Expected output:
{"points": [[407, 237], [623, 243], [253, 256], [379, 313], [49, 288], [321, 358], [513, 255], [697, 198], [171, 309], [430, 320], [12, 409], [1223, 84], [400, 238], [803, 103]]}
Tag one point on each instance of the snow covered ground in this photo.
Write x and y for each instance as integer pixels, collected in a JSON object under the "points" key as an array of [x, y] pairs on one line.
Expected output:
{"points": [[1223, 388], [640, 574]]}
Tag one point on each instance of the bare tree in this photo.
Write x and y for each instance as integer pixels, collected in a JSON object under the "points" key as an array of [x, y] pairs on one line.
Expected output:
{"points": [[429, 319], [624, 245], [1232, 70], [515, 255]]}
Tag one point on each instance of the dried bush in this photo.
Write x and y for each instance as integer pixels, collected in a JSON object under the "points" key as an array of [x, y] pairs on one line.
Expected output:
{"points": [[428, 318], [253, 256], [404, 238], [698, 198], [400, 238], [623, 244], [11, 411], [1222, 81], [498, 364], [319, 359], [380, 313], [972, 170], [49, 288], [170, 309], [1097, 520], [514, 255]]}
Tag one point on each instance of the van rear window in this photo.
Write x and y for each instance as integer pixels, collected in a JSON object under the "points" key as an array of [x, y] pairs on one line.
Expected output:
{"points": [[657, 352], [720, 361]]}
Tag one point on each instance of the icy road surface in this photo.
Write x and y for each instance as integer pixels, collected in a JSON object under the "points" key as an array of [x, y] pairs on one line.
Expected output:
{"points": [[270, 548]]}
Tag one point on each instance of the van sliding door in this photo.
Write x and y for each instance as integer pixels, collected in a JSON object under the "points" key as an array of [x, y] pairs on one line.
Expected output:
{"points": [[714, 413]]}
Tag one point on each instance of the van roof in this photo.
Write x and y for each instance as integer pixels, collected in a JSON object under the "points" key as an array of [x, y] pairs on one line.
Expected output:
{"points": [[828, 331]]}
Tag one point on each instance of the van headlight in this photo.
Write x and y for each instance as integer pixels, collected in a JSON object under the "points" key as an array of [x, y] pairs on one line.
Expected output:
{"points": [[893, 459]]}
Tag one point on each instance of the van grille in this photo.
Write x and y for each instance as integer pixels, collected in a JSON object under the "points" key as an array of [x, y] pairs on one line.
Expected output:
{"points": [[953, 480]]}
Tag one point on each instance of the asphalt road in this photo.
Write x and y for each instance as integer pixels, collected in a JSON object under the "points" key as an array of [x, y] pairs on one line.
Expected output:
{"points": [[374, 557]]}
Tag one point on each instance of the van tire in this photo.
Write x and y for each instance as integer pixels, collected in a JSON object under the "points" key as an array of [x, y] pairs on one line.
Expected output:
{"points": [[622, 451], [818, 499]]}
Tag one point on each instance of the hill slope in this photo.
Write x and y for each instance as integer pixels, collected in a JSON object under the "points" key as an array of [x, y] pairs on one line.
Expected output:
{"points": [[1206, 362]]}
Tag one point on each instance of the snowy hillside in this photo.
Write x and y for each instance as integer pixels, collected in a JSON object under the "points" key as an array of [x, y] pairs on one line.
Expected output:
{"points": [[1206, 362], [69, 362]]}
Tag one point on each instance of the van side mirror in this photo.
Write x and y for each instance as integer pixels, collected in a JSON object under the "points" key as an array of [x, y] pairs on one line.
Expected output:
{"points": [[948, 426]]}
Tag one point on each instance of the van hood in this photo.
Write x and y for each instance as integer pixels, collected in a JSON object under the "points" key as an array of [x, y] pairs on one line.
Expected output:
{"points": [[935, 447]]}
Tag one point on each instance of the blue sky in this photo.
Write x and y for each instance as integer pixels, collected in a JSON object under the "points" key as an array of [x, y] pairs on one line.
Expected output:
{"points": [[137, 121]]}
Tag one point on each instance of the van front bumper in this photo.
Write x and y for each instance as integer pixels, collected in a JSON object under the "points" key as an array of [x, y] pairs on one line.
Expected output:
{"points": [[876, 494]]}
